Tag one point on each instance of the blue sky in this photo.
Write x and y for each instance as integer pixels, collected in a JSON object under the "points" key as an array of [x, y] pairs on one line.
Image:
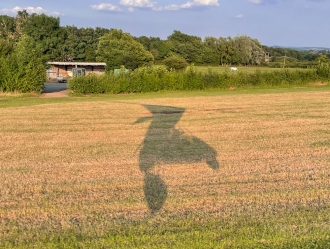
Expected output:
{"points": [[272, 22]]}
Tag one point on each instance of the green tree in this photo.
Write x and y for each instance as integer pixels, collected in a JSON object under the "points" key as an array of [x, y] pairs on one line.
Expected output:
{"points": [[323, 59], [213, 49], [145, 41], [117, 48], [81, 44], [249, 50], [187, 46], [163, 48], [48, 34], [228, 50]]}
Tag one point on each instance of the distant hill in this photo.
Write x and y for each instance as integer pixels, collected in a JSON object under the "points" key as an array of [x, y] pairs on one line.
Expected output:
{"points": [[304, 48]]}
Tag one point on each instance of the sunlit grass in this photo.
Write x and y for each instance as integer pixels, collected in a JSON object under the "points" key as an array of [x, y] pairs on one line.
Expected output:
{"points": [[71, 173]]}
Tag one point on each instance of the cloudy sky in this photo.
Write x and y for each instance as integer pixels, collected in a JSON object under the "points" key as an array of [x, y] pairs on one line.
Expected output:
{"points": [[272, 22]]}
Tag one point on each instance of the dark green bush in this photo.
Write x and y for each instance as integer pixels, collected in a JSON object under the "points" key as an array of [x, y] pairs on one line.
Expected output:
{"points": [[175, 62]]}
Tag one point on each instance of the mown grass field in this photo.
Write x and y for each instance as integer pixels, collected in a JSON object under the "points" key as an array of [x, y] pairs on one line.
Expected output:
{"points": [[237, 169], [249, 69]]}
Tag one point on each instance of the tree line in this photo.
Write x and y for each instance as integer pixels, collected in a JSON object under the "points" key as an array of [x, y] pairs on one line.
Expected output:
{"points": [[70, 43]]}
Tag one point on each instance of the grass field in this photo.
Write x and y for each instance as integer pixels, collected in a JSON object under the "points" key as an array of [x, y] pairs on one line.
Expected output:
{"points": [[250, 69], [239, 169]]}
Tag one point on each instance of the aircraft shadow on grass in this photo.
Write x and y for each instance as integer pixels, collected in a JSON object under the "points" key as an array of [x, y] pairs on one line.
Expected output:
{"points": [[166, 144]]}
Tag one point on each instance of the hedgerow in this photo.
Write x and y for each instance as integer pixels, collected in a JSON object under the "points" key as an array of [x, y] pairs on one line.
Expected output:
{"points": [[158, 78]]}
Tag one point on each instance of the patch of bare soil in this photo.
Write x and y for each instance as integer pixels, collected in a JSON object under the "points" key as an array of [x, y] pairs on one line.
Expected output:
{"points": [[59, 94]]}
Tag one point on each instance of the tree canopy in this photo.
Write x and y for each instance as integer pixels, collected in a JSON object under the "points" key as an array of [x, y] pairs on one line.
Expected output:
{"points": [[117, 48], [71, 43]]}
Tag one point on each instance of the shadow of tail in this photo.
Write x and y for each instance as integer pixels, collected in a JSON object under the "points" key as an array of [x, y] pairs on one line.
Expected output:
{"points": [[155, 192]]}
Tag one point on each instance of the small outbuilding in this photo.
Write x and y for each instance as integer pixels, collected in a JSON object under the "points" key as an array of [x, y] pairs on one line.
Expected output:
{"points": [[64, 69]]}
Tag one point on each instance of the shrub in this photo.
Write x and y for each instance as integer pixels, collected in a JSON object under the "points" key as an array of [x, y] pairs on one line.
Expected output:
{"points": [[175, 62]]}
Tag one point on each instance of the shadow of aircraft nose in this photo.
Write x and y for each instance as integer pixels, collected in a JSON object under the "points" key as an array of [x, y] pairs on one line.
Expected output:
{"points": [[155, 192]]}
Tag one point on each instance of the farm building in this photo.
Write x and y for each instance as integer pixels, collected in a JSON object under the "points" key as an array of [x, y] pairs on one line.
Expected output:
{"points": [[65, 68]]}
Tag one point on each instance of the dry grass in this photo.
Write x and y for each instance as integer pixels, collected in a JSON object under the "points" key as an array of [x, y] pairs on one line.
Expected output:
{"points": [[320, 84], [78, 166]]}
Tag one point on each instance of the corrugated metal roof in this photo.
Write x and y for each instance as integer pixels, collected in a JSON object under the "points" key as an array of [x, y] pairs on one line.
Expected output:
{"points": [[76, 63]]}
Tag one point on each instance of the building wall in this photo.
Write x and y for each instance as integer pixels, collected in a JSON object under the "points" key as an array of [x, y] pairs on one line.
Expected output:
{"points": [[66, 71]]}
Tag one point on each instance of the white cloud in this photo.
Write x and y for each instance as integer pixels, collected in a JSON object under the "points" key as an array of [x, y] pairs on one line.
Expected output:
{"points": [[206, 2], [239, 16], [148, 4], [256, 1], [190, 5], [263, 2], [106, 6], [30, 10], [56, 13], [138, 3]]}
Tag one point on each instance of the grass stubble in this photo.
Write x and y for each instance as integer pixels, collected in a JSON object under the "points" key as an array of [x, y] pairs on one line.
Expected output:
{"points": [[70, 176]]}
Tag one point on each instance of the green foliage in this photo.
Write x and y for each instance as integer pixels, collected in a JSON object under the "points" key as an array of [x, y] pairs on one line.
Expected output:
{"points": [[6, 47], [22, 70], [323, 70], [162, 49], [158, 78], [322, 59], [175, 62], [187, 46], [117, 48], [49, 36], [7, 27], [158, 71], [81, 43], [249, 50]]}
